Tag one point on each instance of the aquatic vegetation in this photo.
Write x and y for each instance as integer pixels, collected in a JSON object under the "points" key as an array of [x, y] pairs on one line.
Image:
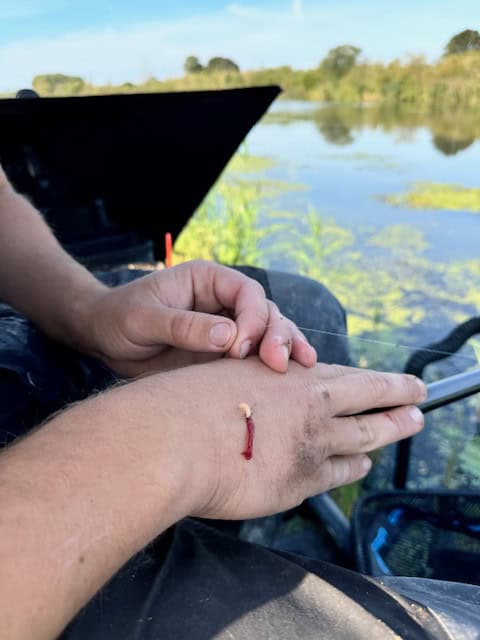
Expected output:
{"points": [[389, 291], [226, 226], [396, 299], [245, 163], [431, 195]]}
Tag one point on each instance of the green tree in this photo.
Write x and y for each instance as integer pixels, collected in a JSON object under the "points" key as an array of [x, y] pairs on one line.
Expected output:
{"points": [[467, 40], [50, 84], [340, 60], [222, 64], [192, 65]]}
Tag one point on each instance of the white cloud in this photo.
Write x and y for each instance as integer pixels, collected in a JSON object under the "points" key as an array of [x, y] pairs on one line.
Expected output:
{"points": [[157, 48], [252, 37]]}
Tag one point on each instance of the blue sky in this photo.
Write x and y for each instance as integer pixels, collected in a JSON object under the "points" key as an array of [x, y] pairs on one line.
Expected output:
{"points": [[127, 40]]}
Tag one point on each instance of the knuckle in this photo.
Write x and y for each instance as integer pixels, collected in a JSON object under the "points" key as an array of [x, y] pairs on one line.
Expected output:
{"points": [[262, 316], [336, 369], [394, 419], [198, 268], [199, 263], [273, 307], [258, 289], [319, 396], [416, 387], [326, 475], [323, 370], [181, 328], [341, 472], [367, 435], [379, 386]]}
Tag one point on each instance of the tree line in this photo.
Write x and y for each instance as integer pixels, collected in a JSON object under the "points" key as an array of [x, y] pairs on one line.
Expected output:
{"points": [[341, 76], [338, 60]]}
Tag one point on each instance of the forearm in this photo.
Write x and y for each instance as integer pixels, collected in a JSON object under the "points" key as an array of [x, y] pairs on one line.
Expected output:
{"points": [[93, 486], [36, 275], [81, 496]]}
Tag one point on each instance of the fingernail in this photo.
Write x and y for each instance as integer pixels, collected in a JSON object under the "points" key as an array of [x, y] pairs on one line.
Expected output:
{"points": [[417, 415], [245, 348], [366, 464], [220, 334], [286, 353]]}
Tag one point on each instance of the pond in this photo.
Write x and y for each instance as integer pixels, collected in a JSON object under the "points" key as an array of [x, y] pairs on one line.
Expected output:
{"points": [[348, 161], [383, 206]]}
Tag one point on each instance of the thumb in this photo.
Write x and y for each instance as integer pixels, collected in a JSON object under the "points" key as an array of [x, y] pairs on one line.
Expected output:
{"points": [[192, 330]]}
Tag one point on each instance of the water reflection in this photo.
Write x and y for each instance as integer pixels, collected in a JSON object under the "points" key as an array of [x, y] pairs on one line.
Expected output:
{"points": [[406, 275], [333, 128], [450, 146], [452, 131]]}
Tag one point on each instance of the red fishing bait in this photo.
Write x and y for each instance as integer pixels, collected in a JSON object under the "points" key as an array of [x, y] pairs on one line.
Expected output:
{"points": [[247, 412]]}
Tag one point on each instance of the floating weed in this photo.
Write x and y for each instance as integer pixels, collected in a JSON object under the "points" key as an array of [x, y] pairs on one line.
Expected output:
{"points": [[392, 292], [431, 195], [242, 163]]}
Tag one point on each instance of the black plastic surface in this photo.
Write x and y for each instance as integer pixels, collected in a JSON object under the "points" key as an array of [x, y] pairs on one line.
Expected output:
{"points": [[146, 161]]}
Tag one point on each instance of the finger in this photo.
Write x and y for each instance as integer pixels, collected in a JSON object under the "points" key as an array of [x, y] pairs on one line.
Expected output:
{"points": [[214, 288], [335, 370], [340, 470], [190, 330], [281, 340], [251, 315], [367, 390], [367, 432], [302, 350], [242, 296]]}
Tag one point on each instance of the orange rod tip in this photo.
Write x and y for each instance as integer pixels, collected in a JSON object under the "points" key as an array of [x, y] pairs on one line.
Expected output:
{"points": [[168, 250]]}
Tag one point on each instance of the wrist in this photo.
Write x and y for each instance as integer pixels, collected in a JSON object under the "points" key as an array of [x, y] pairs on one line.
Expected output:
{"points": [[192, 431], [153, 432], [78, 322]]}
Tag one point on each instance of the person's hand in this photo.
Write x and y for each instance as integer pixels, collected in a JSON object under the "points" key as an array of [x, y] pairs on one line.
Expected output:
{"points": [[114, 471], [311, 434], [201, 309]]}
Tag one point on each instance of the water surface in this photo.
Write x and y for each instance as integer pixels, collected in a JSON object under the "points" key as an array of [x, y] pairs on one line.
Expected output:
{"points": [[348, 159]]}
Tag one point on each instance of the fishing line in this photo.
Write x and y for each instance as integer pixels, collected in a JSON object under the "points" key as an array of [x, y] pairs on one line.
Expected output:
{"points": [[395, 345]]}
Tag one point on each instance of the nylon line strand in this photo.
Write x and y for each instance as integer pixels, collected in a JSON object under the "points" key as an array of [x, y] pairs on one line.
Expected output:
{"points": [[396, 345]]}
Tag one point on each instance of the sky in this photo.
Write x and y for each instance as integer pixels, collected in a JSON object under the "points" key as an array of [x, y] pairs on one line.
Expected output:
{"points": [[114, 41]]}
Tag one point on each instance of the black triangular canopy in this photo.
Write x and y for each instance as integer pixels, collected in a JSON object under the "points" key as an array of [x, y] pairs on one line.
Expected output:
{"points": [[143, 162]]}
